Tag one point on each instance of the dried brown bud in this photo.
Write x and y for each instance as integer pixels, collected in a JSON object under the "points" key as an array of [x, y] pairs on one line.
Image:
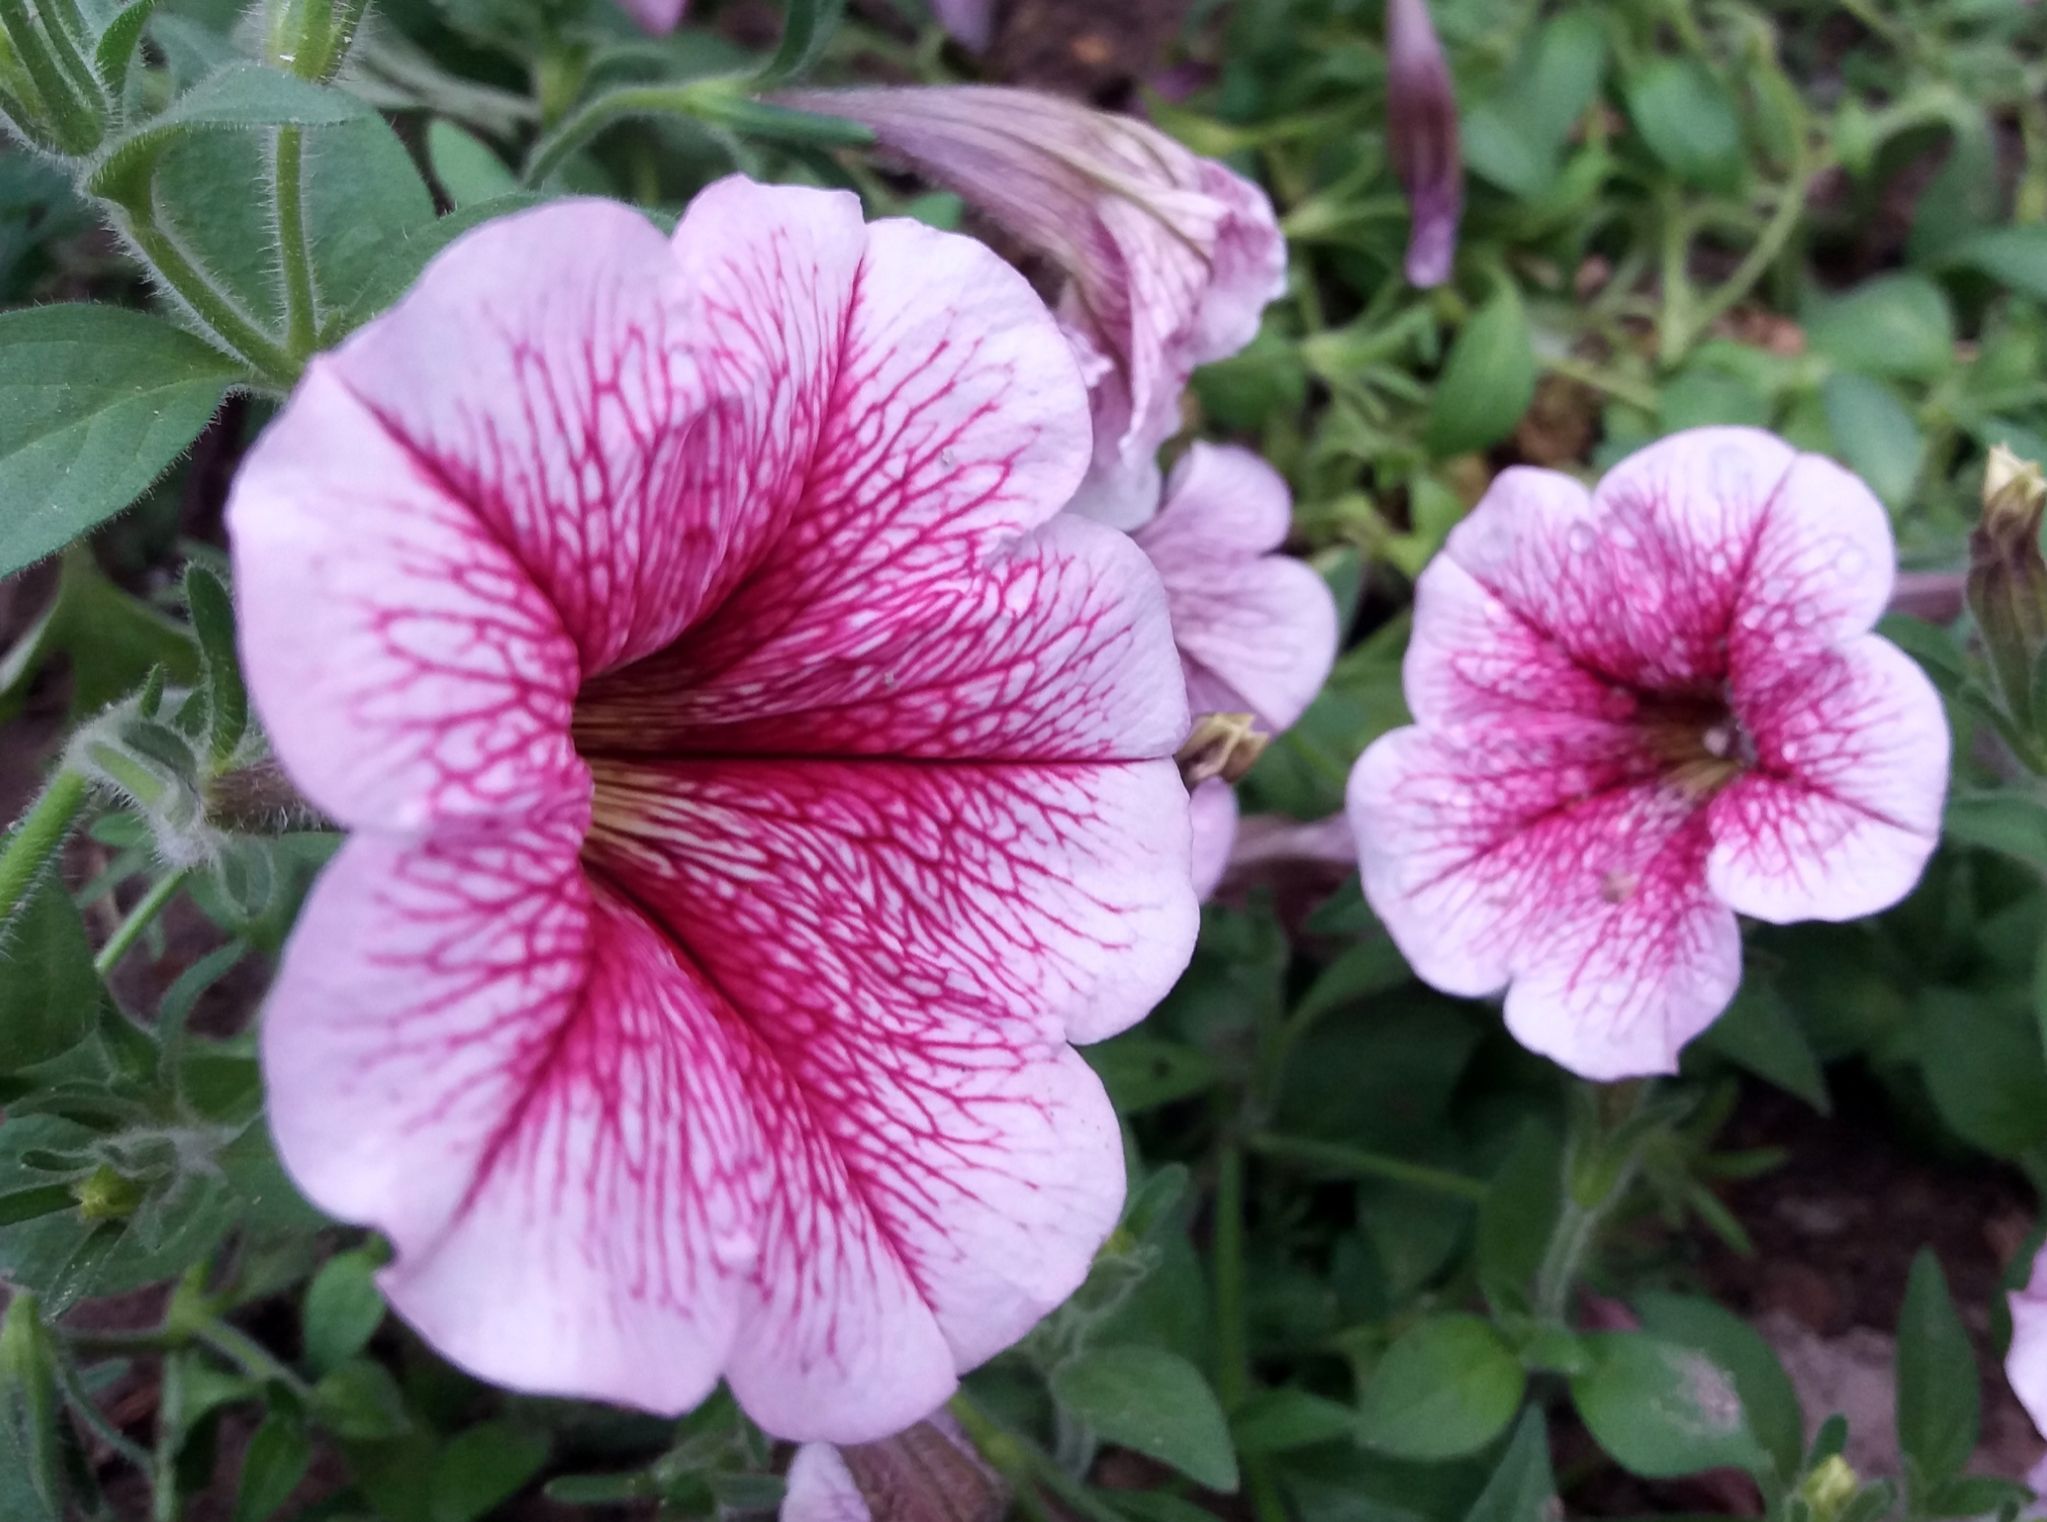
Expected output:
{"points": [[1224, 745]]}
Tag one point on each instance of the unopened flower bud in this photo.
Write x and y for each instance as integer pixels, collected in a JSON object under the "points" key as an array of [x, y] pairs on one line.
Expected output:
{"points": [[1829, 1488], [1224, 745], [104, 1195], [1422, 133], [2008, 576], [310, 38]]}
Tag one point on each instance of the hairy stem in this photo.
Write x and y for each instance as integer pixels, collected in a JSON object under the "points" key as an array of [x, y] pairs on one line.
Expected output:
{"points": [[39, 836]]}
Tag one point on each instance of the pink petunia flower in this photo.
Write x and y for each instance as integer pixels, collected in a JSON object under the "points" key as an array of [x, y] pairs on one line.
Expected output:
{"points": [[1256, 630], [2025, 1363], [756, 783], [927, 1473], [1423, 138], [1169, 257], [1641, 711]]}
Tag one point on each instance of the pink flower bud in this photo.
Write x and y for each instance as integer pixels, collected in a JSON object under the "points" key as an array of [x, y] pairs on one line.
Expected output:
{"points": [[1422, 131]]}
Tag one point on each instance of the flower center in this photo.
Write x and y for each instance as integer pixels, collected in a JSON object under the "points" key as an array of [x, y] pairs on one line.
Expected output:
{"points": [[1701, 743]]}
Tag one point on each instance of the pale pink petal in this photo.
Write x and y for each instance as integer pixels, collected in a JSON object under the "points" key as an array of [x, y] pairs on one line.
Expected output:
{"points": [[971, 22], [656, 17], [1213, 806], [1843, 805], [913, 946], [822, 1489], [2025, 1364], [1421, 128], [514, 1084], [405, 666], [1639, 584], [910, 609], [1564, 869], [1256, 630]]}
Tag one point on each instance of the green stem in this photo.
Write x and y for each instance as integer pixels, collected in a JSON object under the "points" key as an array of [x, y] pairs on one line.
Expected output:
{"points": [[232, 328], [39, 836], [288, 189], [87, 1410], [139, 919], [1362, 1164], [1619, 387], [1564, 1256], [250, 1356], [1020, 1461], [1232, 1340], [1768, 245]]}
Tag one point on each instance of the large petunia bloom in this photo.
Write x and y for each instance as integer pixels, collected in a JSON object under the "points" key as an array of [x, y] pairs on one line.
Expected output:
{"points": [[756, 782], [1256, 630], [1169, 257], [1641, 711]]}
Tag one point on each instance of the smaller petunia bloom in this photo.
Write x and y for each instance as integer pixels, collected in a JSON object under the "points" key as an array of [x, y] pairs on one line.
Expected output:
{"points": [[926, 1473], [1169, 257], [1256, 629], [2025, 1364], [1422, 134], [657, 18], [755, 782], [1641, 711]]}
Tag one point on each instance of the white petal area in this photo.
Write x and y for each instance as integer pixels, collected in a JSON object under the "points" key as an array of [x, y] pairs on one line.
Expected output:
{"points": [[406, 668], [822, 1489], [1842, 809], [1257, 631], [914, 945], [2025, 1364], [1576, 881]]}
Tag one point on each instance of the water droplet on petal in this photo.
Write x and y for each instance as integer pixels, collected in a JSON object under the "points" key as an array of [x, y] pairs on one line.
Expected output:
{"points": [[1580, 539], [1851, 562]]}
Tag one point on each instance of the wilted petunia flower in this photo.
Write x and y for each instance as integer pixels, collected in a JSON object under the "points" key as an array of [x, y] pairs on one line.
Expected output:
{"points": [[1256, 630], [756, 783], [1170, 257], [927, 1473], [1422, 134], [1639, 712]]}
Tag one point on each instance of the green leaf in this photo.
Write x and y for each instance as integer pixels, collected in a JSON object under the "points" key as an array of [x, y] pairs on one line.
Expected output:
{"points": [[2005, 821], [1900, 325], [1143, 1072], [2015, 255], [241, 97], [807, 27], [1937, 1392], [1769, 1403], [467, 168], [1447, 1387], [1278, 1421], [1875, 433], [95, 403], [1487, 381], [1761, 1034], [213, 624], [361, 1402], [1151, 1402], [344, 1308], [483, 1466], [1515, 136], [1661, 1409], [1688, 120], [115, 50], [278, 1457], [49, 994], [30, 1441], [1523, 1488], [1984, 1066], [111, 639]]}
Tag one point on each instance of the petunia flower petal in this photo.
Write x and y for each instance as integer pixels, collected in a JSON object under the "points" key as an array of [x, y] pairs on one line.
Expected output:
{"points": [[1843, 807], [2025, 1364], [914, 945], [1572, 875], [657, 18], [911, 592], [1256, 630], [1213, 806], [467, 1049]]}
